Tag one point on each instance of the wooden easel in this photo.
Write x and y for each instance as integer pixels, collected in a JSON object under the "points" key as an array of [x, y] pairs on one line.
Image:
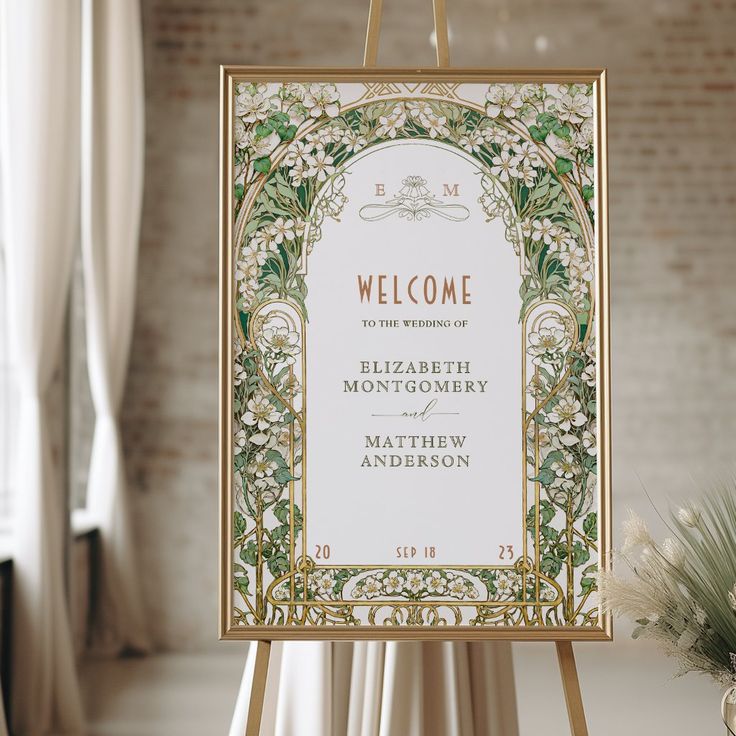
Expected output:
{"points": [[565, 654]]}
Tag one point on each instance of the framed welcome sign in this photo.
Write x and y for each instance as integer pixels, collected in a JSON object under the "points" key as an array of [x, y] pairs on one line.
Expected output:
{"points": [[414, 376]]}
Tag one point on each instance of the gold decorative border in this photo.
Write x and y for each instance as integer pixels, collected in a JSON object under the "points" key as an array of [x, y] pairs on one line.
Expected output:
{"points": [[229, 76]]}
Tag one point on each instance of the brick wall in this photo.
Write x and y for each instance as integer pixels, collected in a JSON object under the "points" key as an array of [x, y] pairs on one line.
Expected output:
{"points": [[673, 195]]}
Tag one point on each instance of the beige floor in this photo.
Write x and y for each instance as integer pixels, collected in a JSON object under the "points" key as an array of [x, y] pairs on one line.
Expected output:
{"points": [[628, 691]]}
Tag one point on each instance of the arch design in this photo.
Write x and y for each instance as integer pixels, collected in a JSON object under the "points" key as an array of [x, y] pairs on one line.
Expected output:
{"points": [[533, 146]]}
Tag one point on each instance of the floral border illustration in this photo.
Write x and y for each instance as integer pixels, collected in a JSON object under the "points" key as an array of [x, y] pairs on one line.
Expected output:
{"points": [[534, 145]]}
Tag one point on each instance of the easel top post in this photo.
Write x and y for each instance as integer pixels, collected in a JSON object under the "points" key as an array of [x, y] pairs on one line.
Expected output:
{"points": [[373, 33]]}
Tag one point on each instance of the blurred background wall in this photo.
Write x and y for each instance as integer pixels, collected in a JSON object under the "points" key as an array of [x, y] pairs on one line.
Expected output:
{"points": [[672, 87]]}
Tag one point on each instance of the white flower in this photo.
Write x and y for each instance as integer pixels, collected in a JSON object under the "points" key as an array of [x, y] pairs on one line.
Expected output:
{"points": [[282, 230], [297, 151], [472, 141], [267, 488], [574, 108], [240, 441], [298, 172], [353, 141], [532, 93], [322, 99], [636, 533], [560, 146], [393, 583], [588, 374], [252, 107], [543, 230], [574, 254], [282, 341], [584, 137], [262, 240], [414, 581], [252, 255], [527, 152], [291, 385], [589, 442], [261, 413], [548, 594], [673, 552], [320, 165], [279, 440], [525, 172], [579, 269], [239, 374], [547, 343], [562, 239], [500, 136], [419, 109], [507, 583], [504, 165], [265, 146], [502, 99], [436, 126], [322, 137], [436, 583], [391, 124], [293, 91], [457, 588], [242, 139], [565, 468], [689, 515], [261, 467], [567, 413], [246, 272], [323, 581], [371, 587]]}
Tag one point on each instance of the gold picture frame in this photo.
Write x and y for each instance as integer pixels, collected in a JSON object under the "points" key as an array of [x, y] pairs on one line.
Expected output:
{"points": [[232, 76]]}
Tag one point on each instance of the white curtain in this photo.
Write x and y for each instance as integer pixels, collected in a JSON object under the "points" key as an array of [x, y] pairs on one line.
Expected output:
{"points": [[384, 689], [39, 155], [112, 185]]}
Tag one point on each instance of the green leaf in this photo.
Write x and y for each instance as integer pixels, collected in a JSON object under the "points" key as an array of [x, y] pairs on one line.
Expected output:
{"points": [[282, 476], [580, 555], [241, 585], [563, 165], [550, 565], [588, 192], [545, 477], [537, 133], [281, 511], [547, 512], [262, 165], [239, 191], [587, 584], [590, 525], [278, 564], [239, 524], [263, 129], [547, 120], [249, 554]]}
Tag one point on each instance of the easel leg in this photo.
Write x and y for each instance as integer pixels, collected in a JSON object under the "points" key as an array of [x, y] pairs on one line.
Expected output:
{"points": [[258, 689], [571, 686]]}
